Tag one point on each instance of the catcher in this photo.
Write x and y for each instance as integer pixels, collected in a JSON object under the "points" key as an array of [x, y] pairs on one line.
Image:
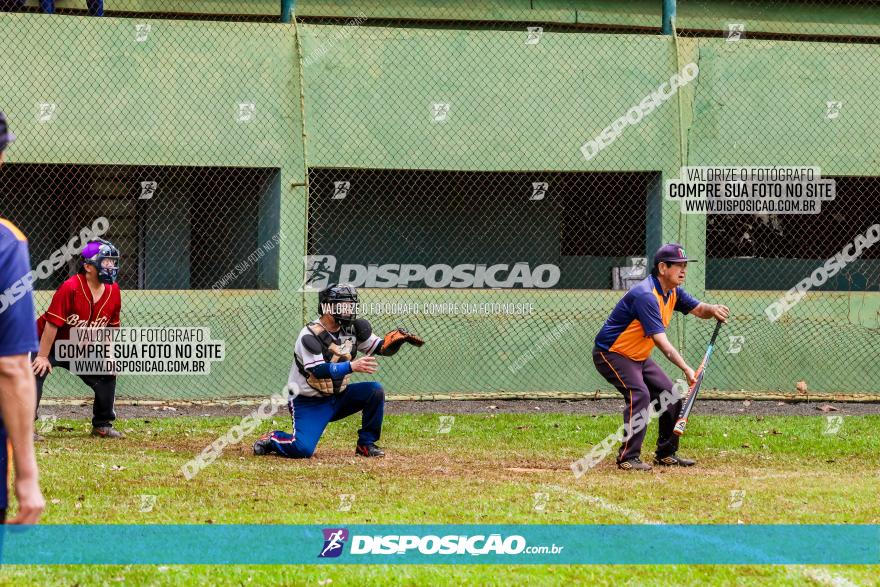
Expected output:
{"points": [[324, 359]]}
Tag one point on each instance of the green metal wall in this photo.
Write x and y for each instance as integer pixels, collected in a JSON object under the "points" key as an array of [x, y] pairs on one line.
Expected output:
{"points": [[388, 85], [179, 95], [384, 124]]}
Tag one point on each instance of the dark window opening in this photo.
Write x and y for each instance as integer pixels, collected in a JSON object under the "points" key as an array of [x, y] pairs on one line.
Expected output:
{"points": [[584, 223], [175, 227], [775, 252]]}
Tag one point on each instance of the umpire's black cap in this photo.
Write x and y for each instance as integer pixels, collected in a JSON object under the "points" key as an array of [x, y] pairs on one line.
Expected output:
{"points": [[6, 135]]}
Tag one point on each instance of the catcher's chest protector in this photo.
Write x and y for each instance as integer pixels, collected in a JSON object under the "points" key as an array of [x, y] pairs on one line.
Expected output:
{"points": [[333, 352]]}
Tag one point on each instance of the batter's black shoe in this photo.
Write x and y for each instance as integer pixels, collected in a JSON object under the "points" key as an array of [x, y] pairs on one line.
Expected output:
{"points": [[369, 450], [263, 445], [107, 432], [674, 461], [634, 464]]}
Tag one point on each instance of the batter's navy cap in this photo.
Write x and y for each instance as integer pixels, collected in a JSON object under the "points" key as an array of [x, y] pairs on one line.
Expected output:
{"points": [[6, 135], [671, 253]]}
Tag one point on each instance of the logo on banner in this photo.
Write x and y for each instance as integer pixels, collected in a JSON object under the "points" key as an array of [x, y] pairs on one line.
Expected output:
{"points": [[334, 542], [142, 32], [321, 270], [247, 112], [318, 270], [148, 189], [735, 31], [340, 189], [534, 34], [539, 190], [832, 109], [46, 112], [440, 111]]}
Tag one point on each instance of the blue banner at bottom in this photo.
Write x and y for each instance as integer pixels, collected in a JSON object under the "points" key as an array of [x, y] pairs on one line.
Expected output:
{"points": [[442, 544]]}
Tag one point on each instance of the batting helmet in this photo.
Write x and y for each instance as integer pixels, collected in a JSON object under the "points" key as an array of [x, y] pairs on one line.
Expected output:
{"points": [[94, 254]]}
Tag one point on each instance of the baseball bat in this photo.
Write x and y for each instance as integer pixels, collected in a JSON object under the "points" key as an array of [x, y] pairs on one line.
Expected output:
{"points": [[681, 423]]}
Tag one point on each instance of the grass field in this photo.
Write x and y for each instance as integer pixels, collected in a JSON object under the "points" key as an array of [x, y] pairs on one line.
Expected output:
{"points": [[486, 469]]}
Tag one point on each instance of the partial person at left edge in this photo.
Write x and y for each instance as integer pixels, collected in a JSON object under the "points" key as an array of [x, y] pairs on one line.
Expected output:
{"points": [[18, 337]]}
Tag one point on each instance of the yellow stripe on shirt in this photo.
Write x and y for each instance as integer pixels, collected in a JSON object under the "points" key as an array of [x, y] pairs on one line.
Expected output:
{"points": [[13, 229]]}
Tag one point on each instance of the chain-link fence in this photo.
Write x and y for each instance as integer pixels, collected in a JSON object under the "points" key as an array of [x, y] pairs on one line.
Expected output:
{"points": [[492, 175], [785, 84]]}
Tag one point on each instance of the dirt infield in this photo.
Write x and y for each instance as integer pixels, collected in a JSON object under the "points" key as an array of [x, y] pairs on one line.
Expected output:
{"points": [[81, 408]]}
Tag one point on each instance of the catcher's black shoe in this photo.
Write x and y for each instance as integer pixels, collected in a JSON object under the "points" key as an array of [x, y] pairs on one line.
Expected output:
{"points": [[634, 464], [674, 461], [369, 450], [263, 445]]}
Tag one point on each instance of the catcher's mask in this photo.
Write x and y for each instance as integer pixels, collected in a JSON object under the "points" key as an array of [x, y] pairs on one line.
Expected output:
{"points": [[340, 301], [104, 257]]}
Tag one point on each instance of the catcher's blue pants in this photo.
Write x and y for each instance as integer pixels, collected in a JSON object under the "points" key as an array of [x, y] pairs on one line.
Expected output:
{"points": [[311, 415]]}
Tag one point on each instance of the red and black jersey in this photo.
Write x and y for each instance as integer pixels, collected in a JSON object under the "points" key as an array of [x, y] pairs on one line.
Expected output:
{"points": [[73, 307]]}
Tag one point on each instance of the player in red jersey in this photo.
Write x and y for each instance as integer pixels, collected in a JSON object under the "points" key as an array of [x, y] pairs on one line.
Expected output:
{"points": [[89, 299]]}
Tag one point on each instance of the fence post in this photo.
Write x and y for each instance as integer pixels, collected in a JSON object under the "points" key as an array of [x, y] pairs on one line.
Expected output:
{"points": [[668, 15], [287, 7]]}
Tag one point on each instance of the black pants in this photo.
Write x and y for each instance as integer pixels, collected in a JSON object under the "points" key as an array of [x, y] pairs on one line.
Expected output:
{"points": [[104, 387]]}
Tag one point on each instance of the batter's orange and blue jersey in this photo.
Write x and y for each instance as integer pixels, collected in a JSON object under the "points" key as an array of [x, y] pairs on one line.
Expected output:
{"points": [[645, 310]]}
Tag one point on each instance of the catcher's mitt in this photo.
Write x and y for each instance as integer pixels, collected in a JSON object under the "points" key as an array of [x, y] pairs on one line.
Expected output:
{"points": [[395, 339]]}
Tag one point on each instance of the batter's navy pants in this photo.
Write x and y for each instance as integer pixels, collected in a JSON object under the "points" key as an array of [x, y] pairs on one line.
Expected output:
{"points": [[311, 415], [640, 382]]}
